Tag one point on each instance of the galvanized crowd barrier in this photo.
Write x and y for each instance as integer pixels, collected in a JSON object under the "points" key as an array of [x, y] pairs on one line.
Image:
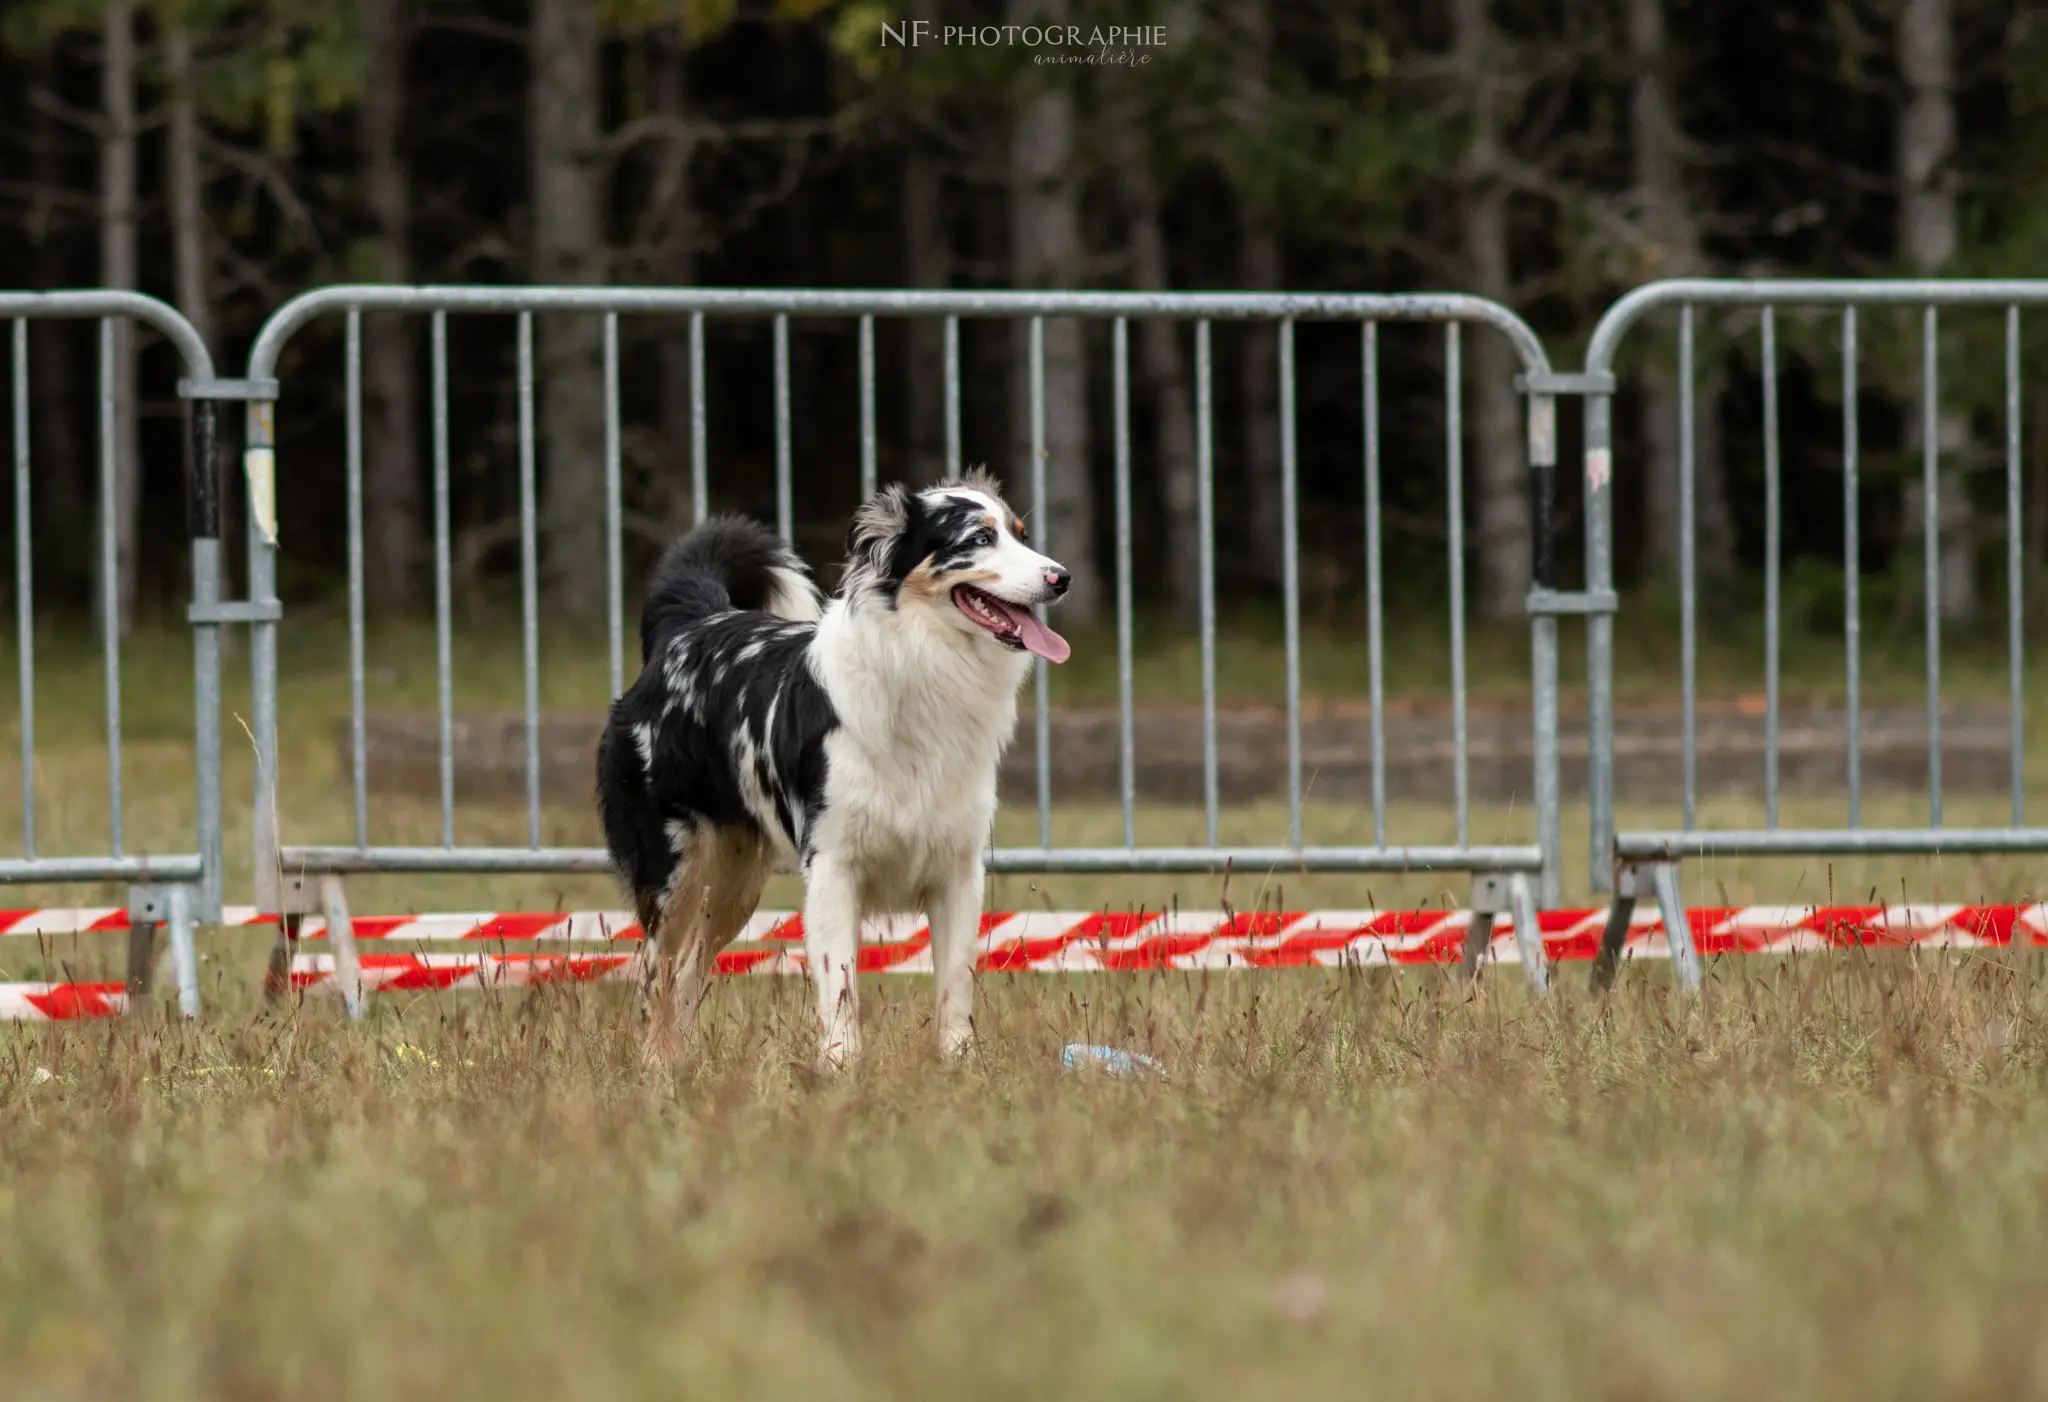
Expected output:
{"points": [[1511, 879], [1646, 862], [177, 889]]}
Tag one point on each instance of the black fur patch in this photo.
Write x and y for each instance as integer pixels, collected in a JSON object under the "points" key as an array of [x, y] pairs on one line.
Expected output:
{"points": [[725, 725]]}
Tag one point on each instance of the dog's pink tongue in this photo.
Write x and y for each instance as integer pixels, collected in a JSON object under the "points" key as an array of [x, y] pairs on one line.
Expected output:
{"points": [[1043, 641], [1035, 636]]}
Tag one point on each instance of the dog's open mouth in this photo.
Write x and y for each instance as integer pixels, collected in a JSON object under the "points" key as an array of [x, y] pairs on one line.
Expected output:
{"points": [[1012, 626]]}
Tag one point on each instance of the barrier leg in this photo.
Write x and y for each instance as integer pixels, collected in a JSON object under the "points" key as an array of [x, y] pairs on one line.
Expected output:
{"points": [[1529, 935], [184, 951], [141, 961], [1685, 956], [1607, 961], [341, 938], [277, 976]]}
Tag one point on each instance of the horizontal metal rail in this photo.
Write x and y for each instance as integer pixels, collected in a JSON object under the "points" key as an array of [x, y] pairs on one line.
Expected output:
{"points": [[348, 861]]}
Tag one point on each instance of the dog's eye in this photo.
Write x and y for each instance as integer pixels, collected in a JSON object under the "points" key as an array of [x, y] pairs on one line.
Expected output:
{"points": [[982, 539]]}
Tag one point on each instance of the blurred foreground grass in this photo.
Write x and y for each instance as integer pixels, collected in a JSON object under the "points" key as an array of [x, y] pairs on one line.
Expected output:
{"points": [[1822, 1180]]}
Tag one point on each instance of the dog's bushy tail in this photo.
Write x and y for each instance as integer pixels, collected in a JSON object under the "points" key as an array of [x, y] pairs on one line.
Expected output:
{"points": [[728, 562]]}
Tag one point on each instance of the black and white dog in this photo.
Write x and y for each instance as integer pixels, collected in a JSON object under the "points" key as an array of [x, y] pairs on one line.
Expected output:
{"points": [[855, 740]]}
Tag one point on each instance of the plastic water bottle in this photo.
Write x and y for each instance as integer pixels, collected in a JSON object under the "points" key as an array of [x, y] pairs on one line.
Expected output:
{"points": [[1114, 1061]]}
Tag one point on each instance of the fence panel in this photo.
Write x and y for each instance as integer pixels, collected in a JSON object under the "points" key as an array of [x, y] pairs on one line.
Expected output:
{"points": [[171, 889], [1644, 862], [301, 878]]}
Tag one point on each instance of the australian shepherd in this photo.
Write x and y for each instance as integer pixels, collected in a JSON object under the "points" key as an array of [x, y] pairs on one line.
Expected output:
{"points": [[854, 740]]}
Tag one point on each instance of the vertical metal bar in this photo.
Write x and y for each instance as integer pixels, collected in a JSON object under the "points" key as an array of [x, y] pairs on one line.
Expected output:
{"points": [[259, 472], [2015, 561], [1599, 509], [1127, 761], [444, 605], [1930, 486], [952, 396], [1688, 566], [868, 481], [110, 582], [202, 515], [24, 586], [359, 769], [529, 564], [785, 500], [1454, 477], [1852, 569], [1374, 638], [614, 508], [1205, 511], [1290, 580], [700, 465], [1042, 712], [1773, 536]]}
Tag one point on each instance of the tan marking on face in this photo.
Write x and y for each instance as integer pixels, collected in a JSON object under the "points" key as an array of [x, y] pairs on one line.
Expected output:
{"points": [[989, 521], [922, 582], [1017, 528]]}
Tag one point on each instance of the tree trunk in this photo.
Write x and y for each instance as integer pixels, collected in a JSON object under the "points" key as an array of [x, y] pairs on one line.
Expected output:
{"points": [[118, 269], [668, 80], [1045, 251], [1671, 248], [1503, 482], [927, 258], [569, 249], [1164, 372], [63, 463], [393, 545], [1260, 271], [191, 262], [1927, 240]]}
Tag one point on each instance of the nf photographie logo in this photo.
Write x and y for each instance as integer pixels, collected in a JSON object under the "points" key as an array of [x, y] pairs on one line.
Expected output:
{"points": [[1051, 43]]}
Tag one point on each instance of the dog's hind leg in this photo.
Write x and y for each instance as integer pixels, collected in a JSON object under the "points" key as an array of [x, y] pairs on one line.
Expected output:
{"points": [[717, 888], [832, 948], [954, 910]]}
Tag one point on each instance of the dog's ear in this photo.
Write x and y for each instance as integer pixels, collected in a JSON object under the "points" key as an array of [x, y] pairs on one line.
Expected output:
{"points": [[880, 528]]}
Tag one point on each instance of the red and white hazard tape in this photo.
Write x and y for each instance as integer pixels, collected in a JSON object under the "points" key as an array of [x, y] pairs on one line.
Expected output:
{"points": [[1049, 941]]}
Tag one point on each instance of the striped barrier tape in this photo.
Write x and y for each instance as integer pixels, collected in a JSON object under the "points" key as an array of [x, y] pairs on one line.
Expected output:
{"points": [[1040, 941]]}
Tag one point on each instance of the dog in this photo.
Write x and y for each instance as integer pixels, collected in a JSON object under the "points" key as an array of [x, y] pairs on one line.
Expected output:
{"points": [[854, 740]]}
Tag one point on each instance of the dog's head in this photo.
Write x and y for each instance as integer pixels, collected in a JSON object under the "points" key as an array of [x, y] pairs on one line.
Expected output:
{"points": [[957, 550]]}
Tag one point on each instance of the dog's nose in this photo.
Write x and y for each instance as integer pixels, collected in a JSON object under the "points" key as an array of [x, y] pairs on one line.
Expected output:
{"points": [[1058, 579]]}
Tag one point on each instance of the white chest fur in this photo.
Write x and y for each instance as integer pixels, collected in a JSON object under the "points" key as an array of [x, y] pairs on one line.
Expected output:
{"points": [[924, 715]]}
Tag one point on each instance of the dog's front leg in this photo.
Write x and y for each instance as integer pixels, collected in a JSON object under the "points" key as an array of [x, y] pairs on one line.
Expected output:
{"points": [[954, 910], [832, 948]]}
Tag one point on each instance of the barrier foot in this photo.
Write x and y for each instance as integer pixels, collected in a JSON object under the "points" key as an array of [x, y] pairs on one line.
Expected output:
{"points": [[1661, 877], [1493, 895], [341, 938]]}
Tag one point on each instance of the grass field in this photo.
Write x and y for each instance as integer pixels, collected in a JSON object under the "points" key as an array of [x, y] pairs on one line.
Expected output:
{"points": [[1823, 1179]]}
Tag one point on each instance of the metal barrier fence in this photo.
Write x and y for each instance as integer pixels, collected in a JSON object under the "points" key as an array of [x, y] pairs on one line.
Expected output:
{"points": [[176, 889], [1635, 861], [1508, 879]]}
